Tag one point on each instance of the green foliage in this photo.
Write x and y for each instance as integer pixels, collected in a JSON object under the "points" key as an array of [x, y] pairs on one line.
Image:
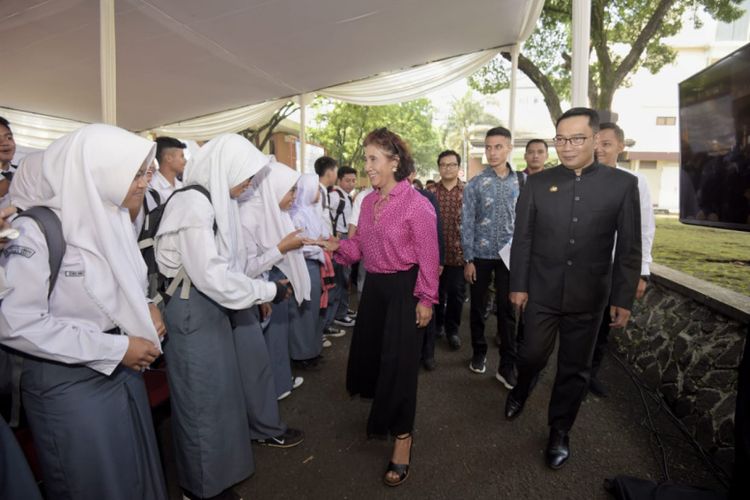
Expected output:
{"points": [[625, 36], [466, 112], [341, 128], [545, 46]]}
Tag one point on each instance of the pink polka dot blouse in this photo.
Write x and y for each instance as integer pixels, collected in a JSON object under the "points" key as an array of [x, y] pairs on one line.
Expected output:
{"points": [[394, 235]]}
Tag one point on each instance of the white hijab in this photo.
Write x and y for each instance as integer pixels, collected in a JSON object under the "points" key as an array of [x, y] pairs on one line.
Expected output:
{"points": [[304, 212], [269, 224], [29, 186], [89, 173], [221, 164]]}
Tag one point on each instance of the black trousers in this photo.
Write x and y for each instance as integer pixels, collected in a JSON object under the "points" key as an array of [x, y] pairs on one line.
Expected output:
{"points": [[505, 319], [428, 345], [451, 299], [577, 338], [602, 339], [385, 351]]}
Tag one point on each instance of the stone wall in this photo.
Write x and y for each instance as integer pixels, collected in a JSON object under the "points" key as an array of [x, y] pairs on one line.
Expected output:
{"points": [[686, 338]]}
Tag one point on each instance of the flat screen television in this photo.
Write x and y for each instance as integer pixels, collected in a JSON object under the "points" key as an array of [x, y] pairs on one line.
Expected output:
{"points": [[715, 144]]}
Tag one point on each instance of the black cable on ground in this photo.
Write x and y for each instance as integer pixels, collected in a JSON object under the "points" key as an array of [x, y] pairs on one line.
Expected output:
{"points": [[716, 470]]}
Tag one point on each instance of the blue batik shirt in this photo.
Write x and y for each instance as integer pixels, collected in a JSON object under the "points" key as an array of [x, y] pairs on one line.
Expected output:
{"points": [[489, 211]]}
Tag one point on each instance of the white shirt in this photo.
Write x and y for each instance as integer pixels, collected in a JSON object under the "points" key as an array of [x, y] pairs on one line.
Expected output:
{"points": [[258, 263], [648, 223], [324, 205], [357, 206], [163, 187], [69, 326], [194, 248], [342, 224], [5, 200], [141, 217]]}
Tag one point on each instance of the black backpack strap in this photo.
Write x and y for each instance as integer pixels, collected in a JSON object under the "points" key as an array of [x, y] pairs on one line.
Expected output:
{"points": [[339, 209], [51, 226], [200, 189], [155, 195]]}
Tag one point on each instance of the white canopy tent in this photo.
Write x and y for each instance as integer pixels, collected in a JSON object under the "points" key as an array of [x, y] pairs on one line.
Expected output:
{"points": [[194, 68]]}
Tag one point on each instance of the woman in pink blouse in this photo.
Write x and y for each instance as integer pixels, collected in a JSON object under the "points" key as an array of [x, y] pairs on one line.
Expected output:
{"points": [[397, 241]]}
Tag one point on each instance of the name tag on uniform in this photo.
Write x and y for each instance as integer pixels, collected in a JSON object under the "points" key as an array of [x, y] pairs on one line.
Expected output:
{"points": [[19, 250], [74, 274]]}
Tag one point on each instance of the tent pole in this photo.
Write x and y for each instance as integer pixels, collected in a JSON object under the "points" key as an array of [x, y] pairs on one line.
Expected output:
{"points": [[108, 61], [513, 89], [580, 64], [302, 131]]}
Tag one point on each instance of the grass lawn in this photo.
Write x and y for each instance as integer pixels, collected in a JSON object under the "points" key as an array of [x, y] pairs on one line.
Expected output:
{"points": [[715, 255]]}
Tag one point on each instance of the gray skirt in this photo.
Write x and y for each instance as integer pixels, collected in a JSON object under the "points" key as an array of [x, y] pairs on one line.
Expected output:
{"points": [[304, 337], [209, 422], [257, 376], [276, 335], [93, 432]]}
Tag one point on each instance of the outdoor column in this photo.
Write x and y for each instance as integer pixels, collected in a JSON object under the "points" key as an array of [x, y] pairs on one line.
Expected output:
{"points": [[108, 61], [302, 131], [580, 63], [513, 89]]}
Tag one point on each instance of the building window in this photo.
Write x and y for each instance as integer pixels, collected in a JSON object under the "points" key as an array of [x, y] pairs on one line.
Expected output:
{"points": [[666, 120], [647, 164]]}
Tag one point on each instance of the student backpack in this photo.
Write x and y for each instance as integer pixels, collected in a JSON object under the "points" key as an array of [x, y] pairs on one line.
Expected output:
{"points": [[339, 210], [151, 224], [51, 226]]}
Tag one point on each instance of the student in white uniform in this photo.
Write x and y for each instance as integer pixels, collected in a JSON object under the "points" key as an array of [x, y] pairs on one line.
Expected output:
{"points": [[206, 271], [16, 479], [274, 245], [7, 152], [305, 216], [356, 209], [83, 346], [170, 154]]}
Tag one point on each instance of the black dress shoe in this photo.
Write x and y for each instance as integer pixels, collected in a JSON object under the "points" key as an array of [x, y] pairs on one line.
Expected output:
{"points": [[454, 342], [513, 407], [429, 364], [558, 448], [597, 388]]}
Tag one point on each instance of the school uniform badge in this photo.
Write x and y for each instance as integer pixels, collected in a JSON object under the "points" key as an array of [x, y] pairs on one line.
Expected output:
{"points": [[553, 189], [19, 250]]}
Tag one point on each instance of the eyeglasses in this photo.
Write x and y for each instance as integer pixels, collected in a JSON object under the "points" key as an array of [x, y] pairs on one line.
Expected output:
{"points": [[576, 140], [448, 165]]}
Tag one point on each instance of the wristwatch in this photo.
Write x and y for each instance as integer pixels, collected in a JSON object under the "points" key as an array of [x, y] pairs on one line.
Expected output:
{"points": [[646, 277]]}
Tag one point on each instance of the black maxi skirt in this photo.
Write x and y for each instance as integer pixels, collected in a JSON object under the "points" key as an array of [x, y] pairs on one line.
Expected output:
{"points": [[385, 351]]}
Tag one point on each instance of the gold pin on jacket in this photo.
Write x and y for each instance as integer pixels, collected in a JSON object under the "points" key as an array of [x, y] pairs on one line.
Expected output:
{"points": [[553, 189]]}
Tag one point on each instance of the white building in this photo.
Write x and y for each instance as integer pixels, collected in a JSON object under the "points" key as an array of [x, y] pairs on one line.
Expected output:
{"points": [[647, 109]]}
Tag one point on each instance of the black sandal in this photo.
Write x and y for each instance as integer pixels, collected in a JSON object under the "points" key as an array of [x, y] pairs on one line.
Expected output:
{"points": [[401, 469]]}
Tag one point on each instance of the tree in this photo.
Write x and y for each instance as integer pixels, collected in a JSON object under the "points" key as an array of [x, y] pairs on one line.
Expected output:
{"points": [[635, 26], [262, 134], [465, 113], [341, 128]]}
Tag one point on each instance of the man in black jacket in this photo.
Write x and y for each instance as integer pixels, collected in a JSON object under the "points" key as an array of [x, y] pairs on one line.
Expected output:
{"points": [[562, 267]]}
